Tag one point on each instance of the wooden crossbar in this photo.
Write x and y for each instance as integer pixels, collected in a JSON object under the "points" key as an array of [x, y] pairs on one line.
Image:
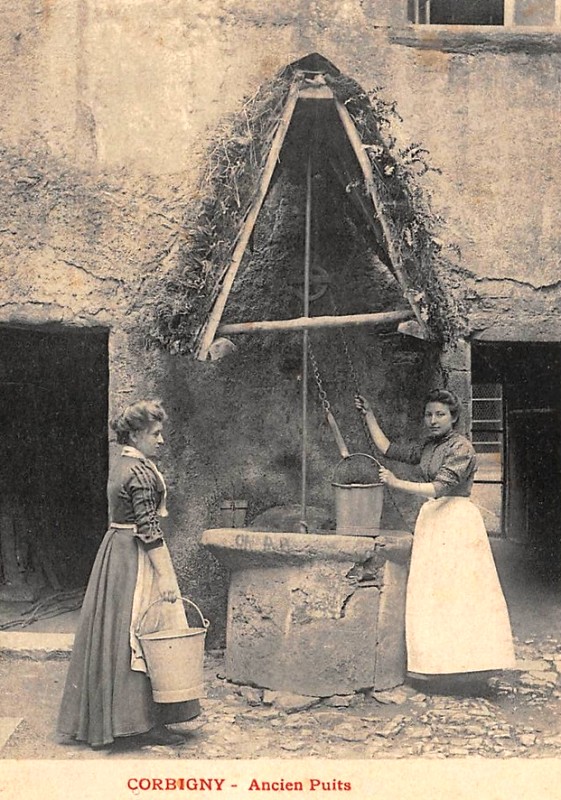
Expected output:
{"points": [[306, 323]]}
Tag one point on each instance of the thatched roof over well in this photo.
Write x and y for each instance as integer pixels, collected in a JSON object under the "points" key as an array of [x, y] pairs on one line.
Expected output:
{"points": [[182, 298]]}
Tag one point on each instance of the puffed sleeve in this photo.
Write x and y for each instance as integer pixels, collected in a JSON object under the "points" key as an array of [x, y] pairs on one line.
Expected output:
{"points": [[458, 465], [144, 495], [407, 452]]}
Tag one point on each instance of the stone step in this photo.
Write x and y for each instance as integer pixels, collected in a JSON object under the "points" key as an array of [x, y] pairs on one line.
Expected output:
{"points": [[36, 646], [7, 727]]}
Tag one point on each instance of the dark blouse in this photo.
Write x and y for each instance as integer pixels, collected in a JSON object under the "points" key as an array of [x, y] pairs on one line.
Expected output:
{"points": [[134, 496], [448, 463]]}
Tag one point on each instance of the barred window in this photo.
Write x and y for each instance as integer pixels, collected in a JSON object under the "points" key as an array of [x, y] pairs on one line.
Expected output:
{"points": [[456, 12], [521, 13], [488, 441], [488, 429]]}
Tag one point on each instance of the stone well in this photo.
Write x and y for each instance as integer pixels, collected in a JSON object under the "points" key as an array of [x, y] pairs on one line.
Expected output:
{"points": [[314, 614]]}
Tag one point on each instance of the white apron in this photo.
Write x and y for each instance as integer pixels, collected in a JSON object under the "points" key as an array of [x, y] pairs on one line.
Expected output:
{"points": [[456, 614], [162, 616]]}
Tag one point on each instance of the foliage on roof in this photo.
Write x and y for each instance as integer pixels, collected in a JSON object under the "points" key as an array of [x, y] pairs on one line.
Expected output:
{"points": [[182, 297]]}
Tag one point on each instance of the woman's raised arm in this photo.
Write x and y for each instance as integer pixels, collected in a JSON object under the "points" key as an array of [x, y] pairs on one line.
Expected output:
{"points": [[378, 436]]}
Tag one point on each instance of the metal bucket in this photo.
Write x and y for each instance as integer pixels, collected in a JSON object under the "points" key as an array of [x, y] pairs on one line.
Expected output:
{"points": [[174, 659], [358, 506]]}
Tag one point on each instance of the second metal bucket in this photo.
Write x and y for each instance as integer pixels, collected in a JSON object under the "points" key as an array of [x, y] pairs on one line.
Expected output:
{"points": [[174, 659], [358, 506]]}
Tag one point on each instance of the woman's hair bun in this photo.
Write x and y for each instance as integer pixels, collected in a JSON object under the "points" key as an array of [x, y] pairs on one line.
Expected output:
{"points": [[138, 416]]}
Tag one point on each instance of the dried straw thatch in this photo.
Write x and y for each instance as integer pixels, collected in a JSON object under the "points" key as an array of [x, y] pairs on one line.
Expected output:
{"points": [[181, 300]]}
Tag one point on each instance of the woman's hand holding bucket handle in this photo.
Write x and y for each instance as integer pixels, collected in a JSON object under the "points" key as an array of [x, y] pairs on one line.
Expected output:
{"points": [[166, 594], [388, 478], [167, 584]]}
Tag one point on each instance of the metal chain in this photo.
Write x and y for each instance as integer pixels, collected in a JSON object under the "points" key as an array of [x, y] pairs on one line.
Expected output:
{"points": [[344, 341], [354, 375], [321, 391], [346, 350]]}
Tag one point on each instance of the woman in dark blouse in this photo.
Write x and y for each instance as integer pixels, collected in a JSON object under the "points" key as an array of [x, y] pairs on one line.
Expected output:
{"points": [[108, 694], [456, 616]]}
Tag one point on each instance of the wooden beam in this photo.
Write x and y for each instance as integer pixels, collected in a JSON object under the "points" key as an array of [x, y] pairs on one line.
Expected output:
{"points": [[305, 323], [411, 328], [361, 203], [338, 436], [318, 91], [366, 167], [209, 330]]}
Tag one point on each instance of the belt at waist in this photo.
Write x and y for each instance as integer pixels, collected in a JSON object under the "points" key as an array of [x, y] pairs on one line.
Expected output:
{"points": [[121, 526]]}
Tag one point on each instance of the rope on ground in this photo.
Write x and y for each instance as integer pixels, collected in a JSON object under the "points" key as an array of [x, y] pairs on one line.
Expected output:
{"points": [[52, 606]]}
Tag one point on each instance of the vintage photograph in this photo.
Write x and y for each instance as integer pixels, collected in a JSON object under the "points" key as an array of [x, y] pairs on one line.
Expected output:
{"points": [[280, 370]]}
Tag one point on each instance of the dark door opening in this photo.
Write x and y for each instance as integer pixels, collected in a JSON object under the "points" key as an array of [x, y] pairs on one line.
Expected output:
{"points": [[529, 375], [53, 408]]}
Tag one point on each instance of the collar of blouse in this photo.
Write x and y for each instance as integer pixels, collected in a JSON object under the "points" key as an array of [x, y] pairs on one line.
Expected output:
{"points": [[442, 439]]}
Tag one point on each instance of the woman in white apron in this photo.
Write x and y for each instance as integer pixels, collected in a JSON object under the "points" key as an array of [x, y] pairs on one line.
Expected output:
{"points": [[456, 616], [108, 695]]}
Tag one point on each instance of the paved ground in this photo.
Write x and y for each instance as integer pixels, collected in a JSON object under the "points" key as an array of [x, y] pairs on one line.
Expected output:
{"points": [[520, 715]]}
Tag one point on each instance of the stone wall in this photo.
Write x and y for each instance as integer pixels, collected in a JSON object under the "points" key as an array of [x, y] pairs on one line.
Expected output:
{"points": [[105, 112], [141, 86]]}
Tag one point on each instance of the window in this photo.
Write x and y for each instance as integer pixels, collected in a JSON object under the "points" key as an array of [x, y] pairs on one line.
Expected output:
{"points": [[487, 430], [488, 441], [456, 12], [517, 13]]}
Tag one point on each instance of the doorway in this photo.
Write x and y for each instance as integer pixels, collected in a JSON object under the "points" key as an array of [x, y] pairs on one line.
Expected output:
{"points": [[53, 409], [527, 377]]}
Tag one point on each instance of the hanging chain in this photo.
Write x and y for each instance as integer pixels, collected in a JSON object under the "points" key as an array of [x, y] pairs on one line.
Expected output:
{"points": [[353, 374], [317, 377], [346, 350]]}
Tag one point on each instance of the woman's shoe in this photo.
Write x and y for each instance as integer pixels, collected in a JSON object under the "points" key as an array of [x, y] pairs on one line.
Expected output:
{"points": [[161, 735]]}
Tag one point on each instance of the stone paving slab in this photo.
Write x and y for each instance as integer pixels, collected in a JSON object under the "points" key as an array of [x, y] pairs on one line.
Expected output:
{"points": [[536, 665]]}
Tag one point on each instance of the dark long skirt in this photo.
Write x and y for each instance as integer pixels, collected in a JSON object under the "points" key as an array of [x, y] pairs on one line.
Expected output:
{"points": [[103, 697]]}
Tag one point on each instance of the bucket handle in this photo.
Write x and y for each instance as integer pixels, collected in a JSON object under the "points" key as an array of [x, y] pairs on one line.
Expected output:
{"points": [[205, 622], [352, 455]]}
